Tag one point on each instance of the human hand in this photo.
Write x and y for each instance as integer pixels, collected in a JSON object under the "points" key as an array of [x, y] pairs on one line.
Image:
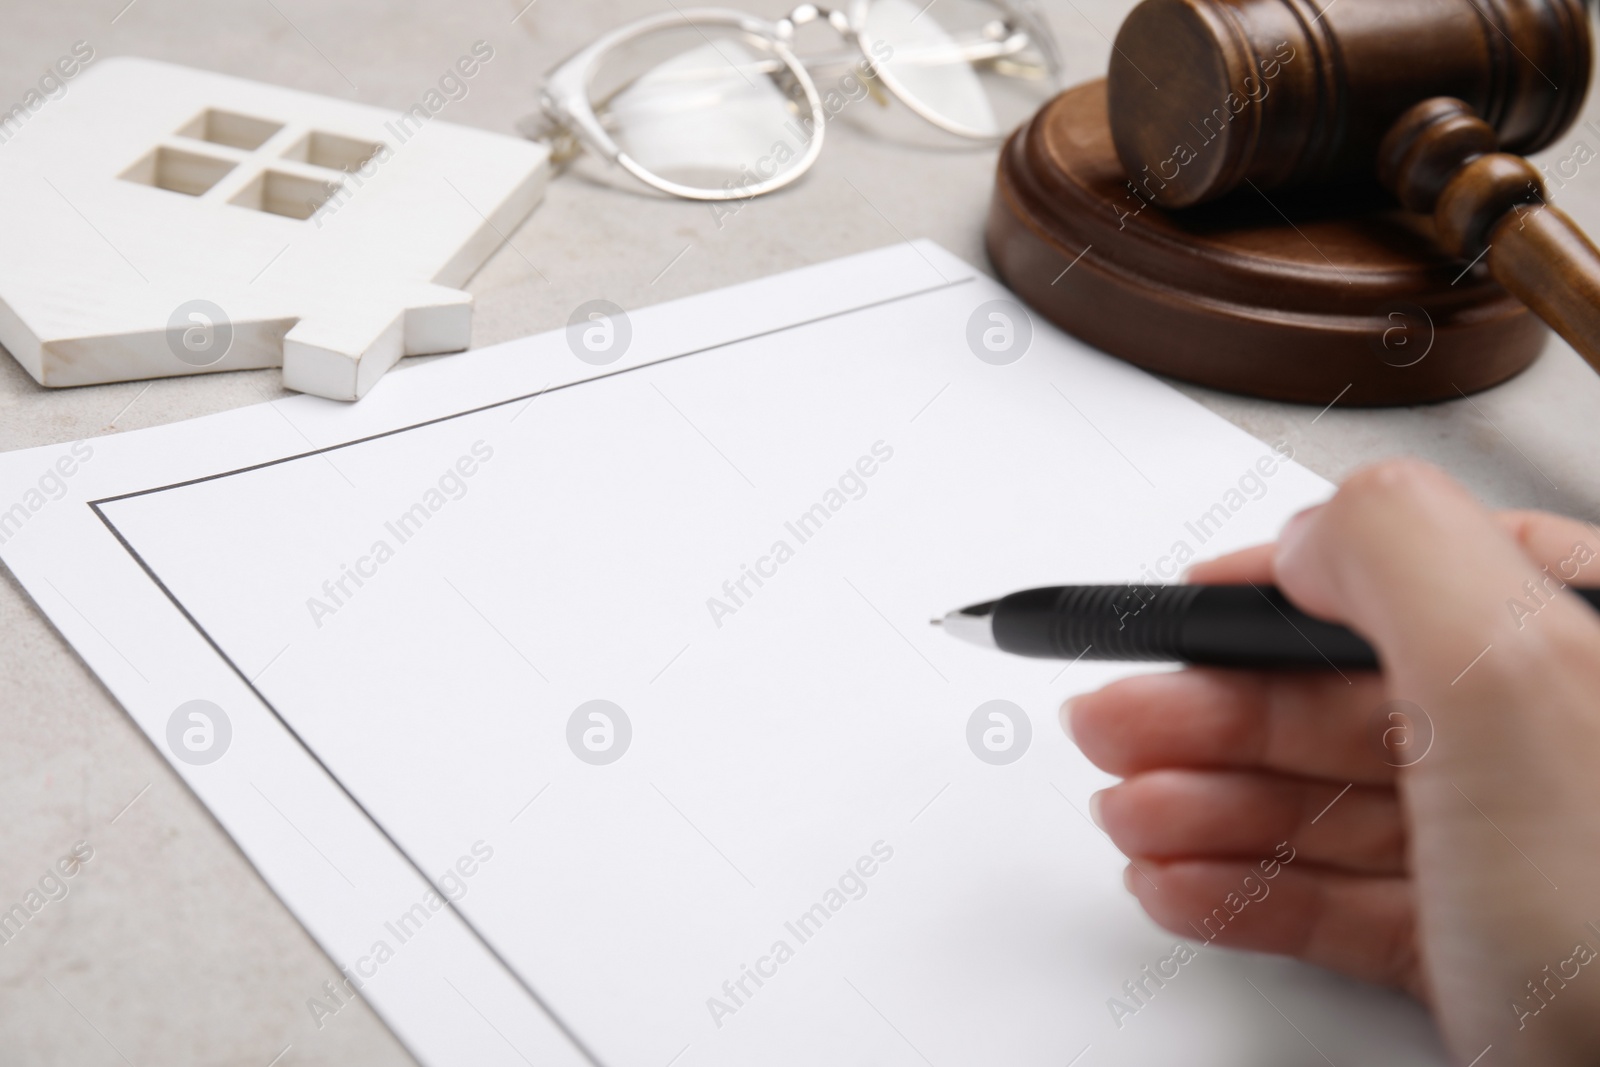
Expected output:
{"points": [[1468, 875]]}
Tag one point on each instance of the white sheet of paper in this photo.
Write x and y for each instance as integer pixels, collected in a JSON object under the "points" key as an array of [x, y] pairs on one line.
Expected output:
{"points": [[529, 533]]}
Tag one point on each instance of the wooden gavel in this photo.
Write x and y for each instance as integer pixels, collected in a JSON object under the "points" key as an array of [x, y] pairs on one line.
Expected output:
{"points": [[1438, 98]]}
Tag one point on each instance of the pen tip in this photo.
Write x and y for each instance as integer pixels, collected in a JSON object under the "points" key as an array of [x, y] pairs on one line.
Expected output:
{"points": [[935, 622]]}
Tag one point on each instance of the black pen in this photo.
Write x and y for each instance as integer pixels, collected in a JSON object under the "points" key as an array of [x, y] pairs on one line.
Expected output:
{"points": [[1252, 626]]}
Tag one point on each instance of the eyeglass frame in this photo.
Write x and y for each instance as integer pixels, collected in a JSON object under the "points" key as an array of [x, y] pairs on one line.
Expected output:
{"points": [[564, 97]]}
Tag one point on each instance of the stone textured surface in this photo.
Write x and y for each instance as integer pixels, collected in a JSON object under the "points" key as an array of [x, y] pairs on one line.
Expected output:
{"points": [[170, 949]]}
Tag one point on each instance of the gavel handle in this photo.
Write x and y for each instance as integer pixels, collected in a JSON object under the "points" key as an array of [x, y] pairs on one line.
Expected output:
{"points": [[1440, 158], [1546, 262]]}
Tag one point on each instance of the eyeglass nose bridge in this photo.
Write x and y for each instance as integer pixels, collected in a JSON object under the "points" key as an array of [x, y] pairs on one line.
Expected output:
{"points": [[806, 14]]}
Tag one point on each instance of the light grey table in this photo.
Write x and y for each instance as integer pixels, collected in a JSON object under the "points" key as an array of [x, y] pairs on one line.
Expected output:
{"points": [[170, 949]]}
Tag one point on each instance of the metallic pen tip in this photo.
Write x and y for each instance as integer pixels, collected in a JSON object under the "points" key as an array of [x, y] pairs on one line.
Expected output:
{"points": [[935, 622], [971, 623]]}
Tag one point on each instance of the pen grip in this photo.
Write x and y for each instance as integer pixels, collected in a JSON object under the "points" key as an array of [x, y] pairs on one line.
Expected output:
{"points": [[1217, 625]]}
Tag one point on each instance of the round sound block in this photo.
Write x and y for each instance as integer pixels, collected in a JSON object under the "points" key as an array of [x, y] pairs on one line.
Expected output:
{"points": [[1350, 300]]}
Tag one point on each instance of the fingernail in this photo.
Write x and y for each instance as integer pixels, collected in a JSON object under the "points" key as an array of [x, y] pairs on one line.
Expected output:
{"points": [[1066, 718], [1294, 531], [1094, 809]]}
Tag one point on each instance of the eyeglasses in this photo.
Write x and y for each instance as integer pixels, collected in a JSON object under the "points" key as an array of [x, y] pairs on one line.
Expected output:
{"points": [[712, 104]]}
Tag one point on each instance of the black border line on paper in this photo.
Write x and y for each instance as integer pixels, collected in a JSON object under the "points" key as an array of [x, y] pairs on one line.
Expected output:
{"points": [[96, 505]]}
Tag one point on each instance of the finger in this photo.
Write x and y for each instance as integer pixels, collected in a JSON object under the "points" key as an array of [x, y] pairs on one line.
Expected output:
{"points": [[1311, 724], [1221, 815], [1360, 926], [1253, 564], [1406, 557], [1564, 547], [1546, 539]]}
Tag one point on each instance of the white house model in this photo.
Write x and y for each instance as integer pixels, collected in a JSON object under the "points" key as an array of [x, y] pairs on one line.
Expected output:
{"points": [[160, 220]]}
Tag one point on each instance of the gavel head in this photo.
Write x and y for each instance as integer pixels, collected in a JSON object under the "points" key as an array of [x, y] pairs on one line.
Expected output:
{"points": [[1208, 95]]}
